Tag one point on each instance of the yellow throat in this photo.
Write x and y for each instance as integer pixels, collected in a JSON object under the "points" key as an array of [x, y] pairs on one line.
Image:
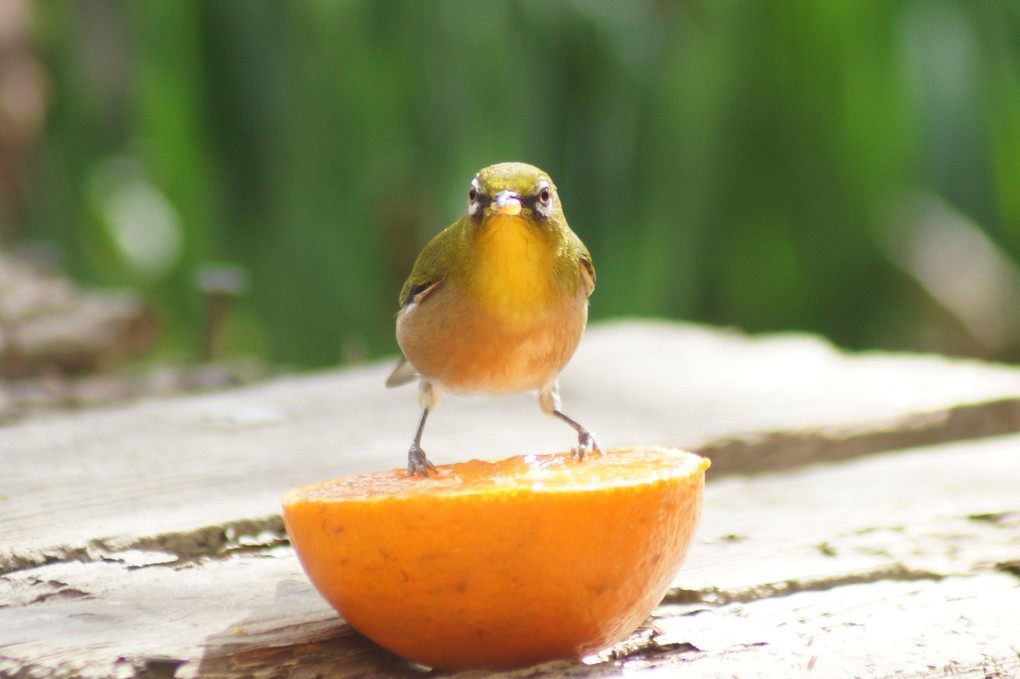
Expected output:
{"points": [[515, 272]]}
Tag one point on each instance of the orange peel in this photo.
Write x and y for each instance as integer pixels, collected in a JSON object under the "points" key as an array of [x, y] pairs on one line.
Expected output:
{"points": [[501, 564]]}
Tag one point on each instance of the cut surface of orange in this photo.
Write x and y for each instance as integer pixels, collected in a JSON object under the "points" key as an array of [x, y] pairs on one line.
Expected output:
{"points": [[501, 564]]}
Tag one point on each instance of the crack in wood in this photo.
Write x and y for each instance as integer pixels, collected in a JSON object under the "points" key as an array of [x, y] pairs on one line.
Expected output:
{"points": [[997, 518], [1011, 567], [245, 535], [643, 644], [179, 547], [779, 450], [718, 597], [61, 592]]}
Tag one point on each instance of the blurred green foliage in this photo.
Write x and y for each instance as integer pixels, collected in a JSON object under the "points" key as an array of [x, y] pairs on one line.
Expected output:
{"points": [[740, 163]]}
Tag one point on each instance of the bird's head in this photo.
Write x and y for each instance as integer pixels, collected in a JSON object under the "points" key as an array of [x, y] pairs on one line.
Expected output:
{"points": [[514, 190]]}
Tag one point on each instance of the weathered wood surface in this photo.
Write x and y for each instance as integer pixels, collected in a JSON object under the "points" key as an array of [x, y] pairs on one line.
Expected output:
{"points": [[145, 541]]}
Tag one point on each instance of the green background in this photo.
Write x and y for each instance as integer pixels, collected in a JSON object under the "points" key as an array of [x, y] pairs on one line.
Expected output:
{"points": [[765, 165]]}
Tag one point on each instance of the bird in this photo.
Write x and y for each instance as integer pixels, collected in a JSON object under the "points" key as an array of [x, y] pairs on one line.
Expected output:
{"points": [[497, 302]]}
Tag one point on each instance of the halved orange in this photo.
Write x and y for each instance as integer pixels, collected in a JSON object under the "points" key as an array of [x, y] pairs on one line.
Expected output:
{"points": [[501, 564]]}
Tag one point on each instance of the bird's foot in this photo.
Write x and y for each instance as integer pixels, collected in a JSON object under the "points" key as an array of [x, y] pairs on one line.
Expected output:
{"points": [[417, 463], [586, 444]]}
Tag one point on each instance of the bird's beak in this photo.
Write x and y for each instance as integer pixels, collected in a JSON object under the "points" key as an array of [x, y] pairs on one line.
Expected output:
{"points": [[506, 203]]}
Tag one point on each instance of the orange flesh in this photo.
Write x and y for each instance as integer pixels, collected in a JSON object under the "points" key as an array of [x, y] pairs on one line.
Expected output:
{"points": [[501, 564]]}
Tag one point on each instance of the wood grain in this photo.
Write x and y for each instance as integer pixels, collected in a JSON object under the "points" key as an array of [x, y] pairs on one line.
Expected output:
{"points": [[146, 540]]}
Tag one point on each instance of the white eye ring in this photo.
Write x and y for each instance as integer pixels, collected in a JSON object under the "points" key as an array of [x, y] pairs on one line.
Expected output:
{"points": [[473, 205]]}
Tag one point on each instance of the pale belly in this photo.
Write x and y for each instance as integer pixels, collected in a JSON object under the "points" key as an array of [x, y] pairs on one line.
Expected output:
{"points": [[465, 351]]}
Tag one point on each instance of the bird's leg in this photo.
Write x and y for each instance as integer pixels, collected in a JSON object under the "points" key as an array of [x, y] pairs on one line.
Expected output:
{"points": [[549, 400], [586, 442], [417, 463]]}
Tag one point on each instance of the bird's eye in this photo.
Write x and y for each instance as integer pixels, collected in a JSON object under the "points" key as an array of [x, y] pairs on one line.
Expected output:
{"points": [[544, 196], [472, 194]]}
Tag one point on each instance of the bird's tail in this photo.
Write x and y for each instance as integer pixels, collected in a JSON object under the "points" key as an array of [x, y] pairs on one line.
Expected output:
{"points": [[402, 374]]}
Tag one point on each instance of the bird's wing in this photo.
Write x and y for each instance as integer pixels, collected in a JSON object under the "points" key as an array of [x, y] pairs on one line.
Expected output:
{"points": [[587, 273], [427, 275], [430, 269], [416, 292], [413, 293]]}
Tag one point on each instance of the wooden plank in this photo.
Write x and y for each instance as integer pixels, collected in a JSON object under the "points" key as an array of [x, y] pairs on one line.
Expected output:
{"points": [[146, 540], [901, 564], [174, 474]]}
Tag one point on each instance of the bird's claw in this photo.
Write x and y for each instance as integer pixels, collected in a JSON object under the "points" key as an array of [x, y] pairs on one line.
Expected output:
{"points": [[417, 463], [586, 444]]}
